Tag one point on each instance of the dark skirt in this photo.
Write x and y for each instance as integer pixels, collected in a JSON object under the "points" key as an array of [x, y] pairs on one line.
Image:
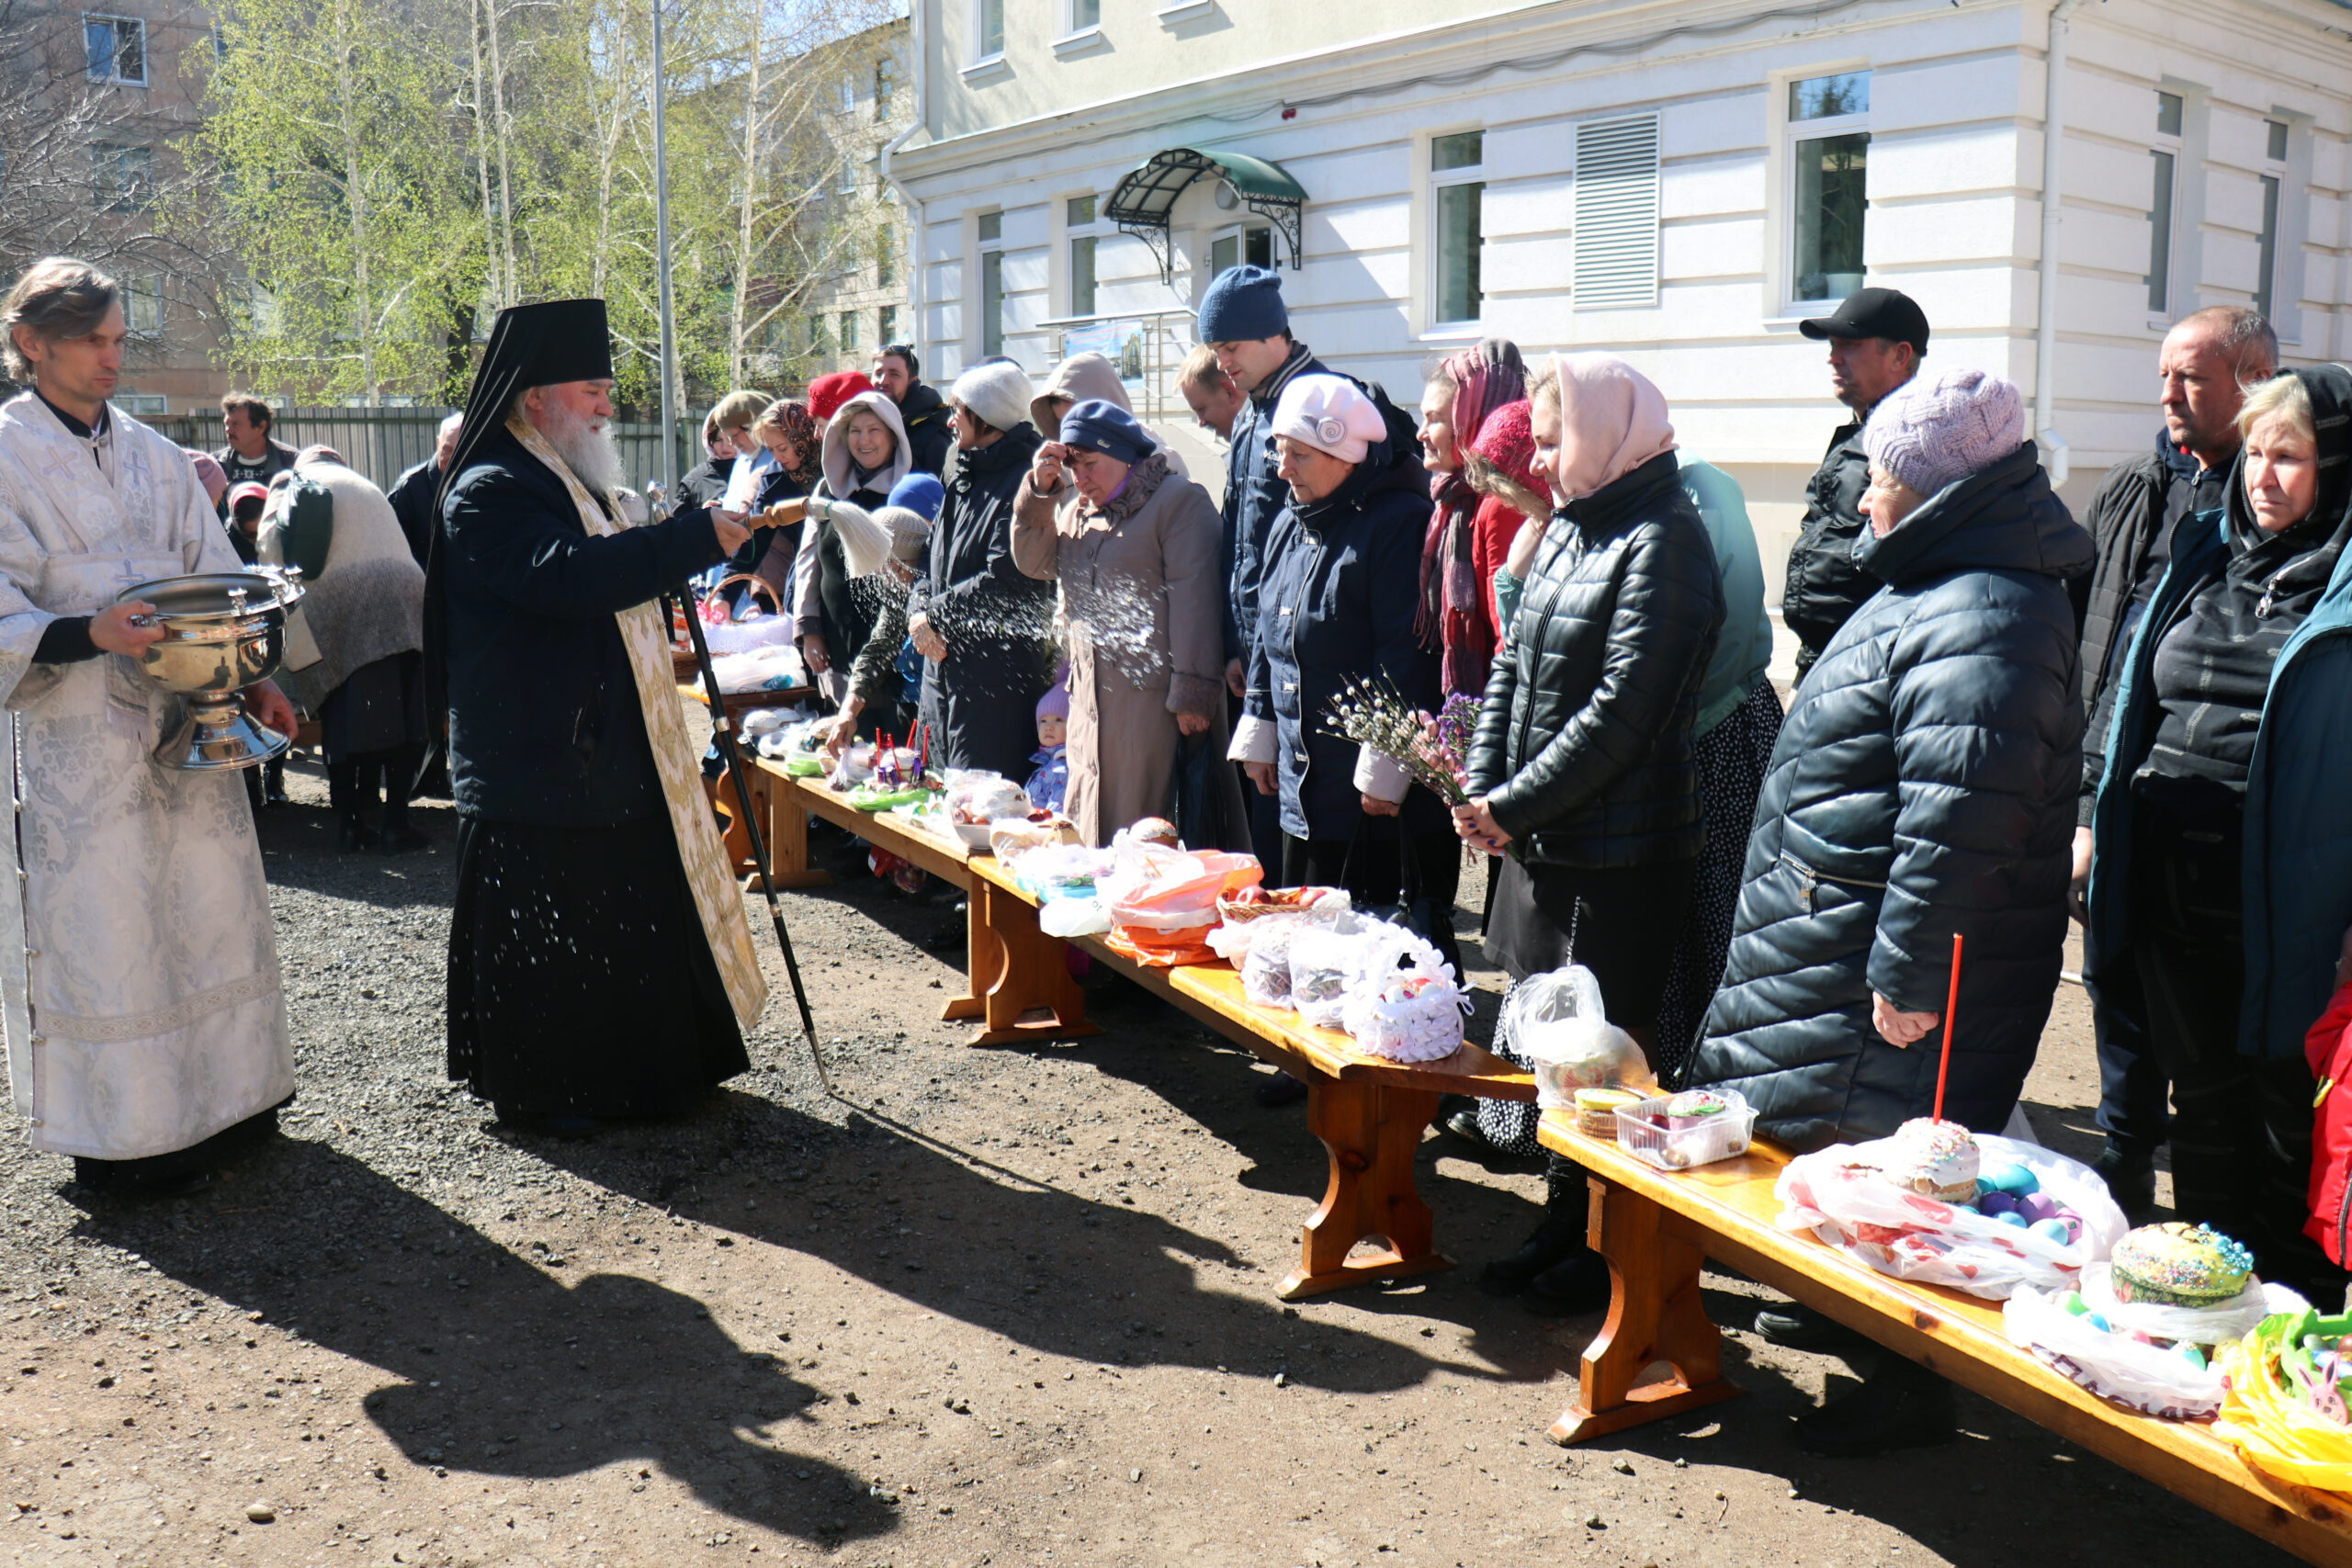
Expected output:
{"points": [[1619, 923], [580, 983], [378, 707], [1732, 758]]}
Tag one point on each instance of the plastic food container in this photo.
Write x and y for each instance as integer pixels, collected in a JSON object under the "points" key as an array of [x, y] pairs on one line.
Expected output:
{"points": [[1642, 1132]]}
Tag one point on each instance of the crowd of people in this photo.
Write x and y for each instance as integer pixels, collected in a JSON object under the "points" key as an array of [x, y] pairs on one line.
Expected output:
{"points": [[2001, 718]]}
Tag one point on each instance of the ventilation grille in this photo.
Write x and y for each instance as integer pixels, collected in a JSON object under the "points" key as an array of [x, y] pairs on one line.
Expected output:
{"points": [[1616, 213]]}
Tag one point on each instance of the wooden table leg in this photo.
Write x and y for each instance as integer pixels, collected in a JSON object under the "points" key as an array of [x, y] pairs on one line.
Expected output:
{"points": [[1654, 1316], [1372, 1131], [983, 959], [1018, 973]]}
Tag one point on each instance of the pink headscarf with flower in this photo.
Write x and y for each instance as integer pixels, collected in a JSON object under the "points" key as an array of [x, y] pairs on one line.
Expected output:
{"points": [[1484, 379]]}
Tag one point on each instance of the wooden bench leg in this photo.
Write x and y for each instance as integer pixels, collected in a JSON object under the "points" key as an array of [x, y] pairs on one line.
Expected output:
{"points": [[1017, 973], [784, 824], [1654, 1316], [1372, 1131]]}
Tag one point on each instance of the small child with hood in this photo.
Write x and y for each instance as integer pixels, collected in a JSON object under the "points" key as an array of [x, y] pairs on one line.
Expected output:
{"points": [[1050, 783]]}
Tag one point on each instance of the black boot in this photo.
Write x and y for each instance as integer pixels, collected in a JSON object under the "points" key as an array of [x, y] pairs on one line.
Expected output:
{"points": [[343, 796], [1569, 1289], [400, 836], [1458, 1115], [1901, 1406], [1798, 1328], [1557, 1239], [273, 780], [1280, 1090]]}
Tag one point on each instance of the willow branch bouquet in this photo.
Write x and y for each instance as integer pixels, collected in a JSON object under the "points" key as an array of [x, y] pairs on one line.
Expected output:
{"points": [[1376, 715]]}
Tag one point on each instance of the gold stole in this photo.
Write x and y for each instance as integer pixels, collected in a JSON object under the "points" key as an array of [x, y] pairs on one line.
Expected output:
{"points": [[717, 898]]}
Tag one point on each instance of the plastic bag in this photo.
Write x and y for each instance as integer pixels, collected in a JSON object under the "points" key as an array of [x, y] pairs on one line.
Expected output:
{"points": [[1555, 1021], [978, 799], [1323, 961], [1840, 1196], [1068, 917], [2266, 1414], [2115, 1366], [1265, 966], [1059, 871]]}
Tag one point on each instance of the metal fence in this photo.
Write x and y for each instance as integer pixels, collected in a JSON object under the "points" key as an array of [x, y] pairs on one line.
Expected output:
{"points": [[384, 443]]}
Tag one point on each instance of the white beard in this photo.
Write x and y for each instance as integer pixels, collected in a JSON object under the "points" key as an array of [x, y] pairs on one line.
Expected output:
{"points": [[586, 447]]}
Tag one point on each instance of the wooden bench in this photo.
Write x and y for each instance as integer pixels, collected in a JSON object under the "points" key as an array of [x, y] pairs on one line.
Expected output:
{"points": [[1369, 1114], [1656, 1227]]}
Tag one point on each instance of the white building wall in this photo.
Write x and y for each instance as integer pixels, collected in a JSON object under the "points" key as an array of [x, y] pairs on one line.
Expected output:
{"points": [[1954, 176]]}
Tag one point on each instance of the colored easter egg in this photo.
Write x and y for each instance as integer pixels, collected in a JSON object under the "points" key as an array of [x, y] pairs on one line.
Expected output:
{"points": [[2073, 1304], [2097, 1322], [2013, 1218], [2012, 1178], [2038, 1206], [1994, 1203], [2191, 1354], [2053, 1229]]}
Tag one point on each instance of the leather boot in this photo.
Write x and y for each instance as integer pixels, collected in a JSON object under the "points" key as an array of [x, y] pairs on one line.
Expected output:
{"points": [[1558, 1239]]}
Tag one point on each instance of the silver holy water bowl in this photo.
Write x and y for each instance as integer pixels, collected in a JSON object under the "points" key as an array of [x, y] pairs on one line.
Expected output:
{"points": [[222, 631]]}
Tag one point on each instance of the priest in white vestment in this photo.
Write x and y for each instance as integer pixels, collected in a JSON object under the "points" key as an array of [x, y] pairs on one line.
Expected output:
{"points": [[145, 1025]]}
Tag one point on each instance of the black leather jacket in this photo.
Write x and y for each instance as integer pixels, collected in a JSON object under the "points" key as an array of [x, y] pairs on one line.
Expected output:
{"points": [[1824, 587], [1584, 742]]}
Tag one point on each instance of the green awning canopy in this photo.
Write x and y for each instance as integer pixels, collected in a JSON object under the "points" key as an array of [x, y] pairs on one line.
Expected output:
{"points": [[1141, 204]]}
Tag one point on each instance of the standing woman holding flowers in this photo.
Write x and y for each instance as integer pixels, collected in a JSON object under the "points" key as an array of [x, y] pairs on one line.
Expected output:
{"points": [[1581, 770]]}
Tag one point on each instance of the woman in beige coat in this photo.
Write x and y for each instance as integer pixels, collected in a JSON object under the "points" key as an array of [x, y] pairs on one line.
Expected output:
{"points": [[1135, 548], [1085, 377]]}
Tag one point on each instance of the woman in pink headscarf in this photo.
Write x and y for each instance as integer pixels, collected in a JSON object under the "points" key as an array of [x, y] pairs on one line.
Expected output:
{"points": [[1456, 616], [1582, 770]]}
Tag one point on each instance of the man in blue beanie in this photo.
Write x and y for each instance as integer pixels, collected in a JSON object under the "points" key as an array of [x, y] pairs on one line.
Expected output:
{"points": [[1244, 324]]}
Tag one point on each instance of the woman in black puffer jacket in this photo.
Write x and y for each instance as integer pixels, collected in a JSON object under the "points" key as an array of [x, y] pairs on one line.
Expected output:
{"points": [[1924, 784], [1582, 767]]}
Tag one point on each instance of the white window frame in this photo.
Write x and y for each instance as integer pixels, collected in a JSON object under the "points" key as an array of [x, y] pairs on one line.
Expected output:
{"points": [[985, 60], [845, 91], [1078, 33], [2294, 174], [2175, 145], [1786, 303], [983, 248], [119, 195], [886, 87], [1434, 181], [113, 74], [1065, 270], [142, 304]]}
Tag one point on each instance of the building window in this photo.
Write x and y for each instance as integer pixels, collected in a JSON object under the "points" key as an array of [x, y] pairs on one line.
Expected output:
{"points": [[120, 176], [1458, 190], [142, 304], [142, 405], [1085, 14], [2274, 180], [117, 49], [1233, 246], [886, 87], [847, 90], [991, 227], [845, 181], [848, 332], [1080, 213], [1829, 193], [987, 29], [889, 324], [2166, 158], [816, 334], [885, 261]]}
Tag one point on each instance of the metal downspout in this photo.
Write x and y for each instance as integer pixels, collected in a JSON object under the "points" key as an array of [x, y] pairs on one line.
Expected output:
{"points": [[915, 263], [2053, 137]]}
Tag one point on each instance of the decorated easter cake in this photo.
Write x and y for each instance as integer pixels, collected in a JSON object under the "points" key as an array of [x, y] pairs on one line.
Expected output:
{"points": [[2177, 1264], [1935, 1159]]}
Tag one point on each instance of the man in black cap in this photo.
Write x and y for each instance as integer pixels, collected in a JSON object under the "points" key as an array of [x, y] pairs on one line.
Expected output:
{"points": [[1876, 337], [600, 964]]}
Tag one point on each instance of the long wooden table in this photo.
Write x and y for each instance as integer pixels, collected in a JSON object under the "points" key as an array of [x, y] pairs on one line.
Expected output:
{"points": [[1656, 1227]]}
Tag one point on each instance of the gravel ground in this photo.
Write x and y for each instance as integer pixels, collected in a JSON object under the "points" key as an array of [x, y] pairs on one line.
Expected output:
{"points": [[1013, 1308]]}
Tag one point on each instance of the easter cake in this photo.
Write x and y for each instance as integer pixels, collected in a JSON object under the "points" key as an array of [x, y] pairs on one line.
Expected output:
{"points": [[2177, 1264], [1935, 1159]]}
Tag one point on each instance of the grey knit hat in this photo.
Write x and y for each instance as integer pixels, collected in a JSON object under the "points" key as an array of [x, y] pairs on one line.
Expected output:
{"points": [[1931, 431]]}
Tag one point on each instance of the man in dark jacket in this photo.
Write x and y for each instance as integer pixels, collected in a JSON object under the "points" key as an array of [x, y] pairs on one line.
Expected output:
{"points": [[984, 628], [2209, 359], [416, 495], [1924, 784], [595, 969], [898, 374], [251, 457], [1876, 337]]}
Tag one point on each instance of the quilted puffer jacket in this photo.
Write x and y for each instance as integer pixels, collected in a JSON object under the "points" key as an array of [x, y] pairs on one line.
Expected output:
{"points": [[1924, 782], [1583, 745], [1824, 584]]}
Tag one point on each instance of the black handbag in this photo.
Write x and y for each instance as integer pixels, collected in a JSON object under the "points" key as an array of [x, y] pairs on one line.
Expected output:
{"points": [[1416, 909], [1199, 794]]}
